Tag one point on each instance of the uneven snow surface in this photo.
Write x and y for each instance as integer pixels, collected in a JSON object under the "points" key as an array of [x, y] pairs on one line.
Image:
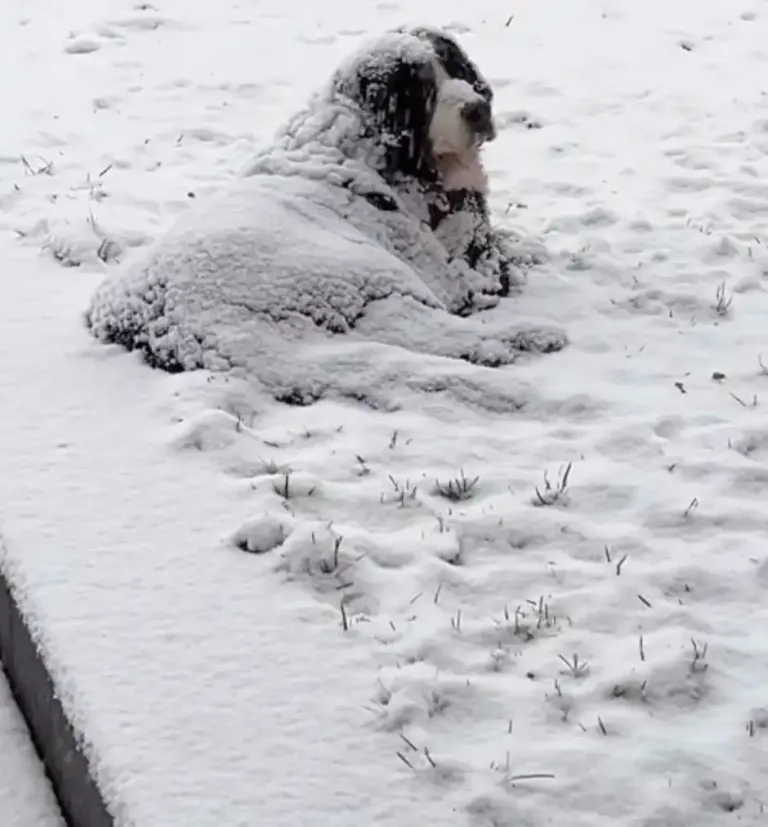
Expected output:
{"points": [[584, 648]]}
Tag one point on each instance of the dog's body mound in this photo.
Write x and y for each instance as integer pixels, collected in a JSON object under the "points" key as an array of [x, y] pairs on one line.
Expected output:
{"points": [[335, 229]]}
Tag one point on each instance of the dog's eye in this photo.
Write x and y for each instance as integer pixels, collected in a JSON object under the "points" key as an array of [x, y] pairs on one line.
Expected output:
{"points": [[473, 112]]}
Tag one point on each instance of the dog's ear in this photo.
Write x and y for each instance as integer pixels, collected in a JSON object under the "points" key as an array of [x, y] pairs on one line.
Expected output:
{"points": [[453, 58], [396, 89]]}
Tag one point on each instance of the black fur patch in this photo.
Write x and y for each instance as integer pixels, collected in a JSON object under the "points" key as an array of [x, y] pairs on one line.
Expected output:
{"points": [[454, 59], [382, 201], [398, 100], [456, 201], [464, 201], [483, 242]]}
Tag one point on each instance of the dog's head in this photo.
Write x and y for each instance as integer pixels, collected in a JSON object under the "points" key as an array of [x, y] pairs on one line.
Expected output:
{"points": [[421, 99], [454, 61], [462, 120]]}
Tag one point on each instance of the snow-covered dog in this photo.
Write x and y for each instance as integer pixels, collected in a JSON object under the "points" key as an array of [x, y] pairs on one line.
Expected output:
{"points": [[454, 183], [366, 217]]}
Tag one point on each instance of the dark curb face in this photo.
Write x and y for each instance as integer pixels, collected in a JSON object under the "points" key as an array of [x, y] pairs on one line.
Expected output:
{"points": [[52, 734]]}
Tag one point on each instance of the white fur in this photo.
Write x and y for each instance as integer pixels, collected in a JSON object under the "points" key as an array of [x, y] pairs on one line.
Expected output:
{"points": [[448, 131], [463, 171], [454, 144]]}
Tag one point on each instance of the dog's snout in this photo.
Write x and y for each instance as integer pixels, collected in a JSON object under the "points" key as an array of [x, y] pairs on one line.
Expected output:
{"points": [[478, 115]]}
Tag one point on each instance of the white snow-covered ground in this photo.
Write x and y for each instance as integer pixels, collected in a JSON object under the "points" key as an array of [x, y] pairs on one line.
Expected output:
{"points": [[593, 653], [26, 799]]}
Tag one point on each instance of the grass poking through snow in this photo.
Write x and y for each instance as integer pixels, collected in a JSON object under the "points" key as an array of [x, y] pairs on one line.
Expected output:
{"points": [[457, 489]]}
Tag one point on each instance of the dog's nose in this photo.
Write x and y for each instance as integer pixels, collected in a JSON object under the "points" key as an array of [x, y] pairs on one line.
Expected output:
{"points": [[478, 115]]}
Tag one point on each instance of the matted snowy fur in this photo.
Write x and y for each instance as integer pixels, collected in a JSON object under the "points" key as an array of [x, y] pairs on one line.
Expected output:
{"points": [[343, 226]]}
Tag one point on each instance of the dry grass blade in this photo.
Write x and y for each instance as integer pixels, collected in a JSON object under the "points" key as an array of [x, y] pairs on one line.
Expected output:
{"points": [[457, 489]]}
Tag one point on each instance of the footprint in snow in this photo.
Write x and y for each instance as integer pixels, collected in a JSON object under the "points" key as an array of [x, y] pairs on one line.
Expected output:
{"points": [[82, 45], [262, 535], [505, 120], [146, 21]]}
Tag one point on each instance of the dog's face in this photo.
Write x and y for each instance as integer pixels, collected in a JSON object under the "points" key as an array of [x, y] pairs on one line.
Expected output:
{"points": [[462, 120], [422, 99]]}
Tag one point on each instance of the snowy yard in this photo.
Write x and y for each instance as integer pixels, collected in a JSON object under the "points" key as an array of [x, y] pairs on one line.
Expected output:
{"points": [[554, 616]]}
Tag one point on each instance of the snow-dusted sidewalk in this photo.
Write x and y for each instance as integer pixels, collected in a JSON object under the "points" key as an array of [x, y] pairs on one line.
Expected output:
{"points": [[26, 799], [202, 689], [586, 650]]}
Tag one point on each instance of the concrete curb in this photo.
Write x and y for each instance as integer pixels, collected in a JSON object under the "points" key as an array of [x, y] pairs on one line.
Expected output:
{"points": [[52, 734]]}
